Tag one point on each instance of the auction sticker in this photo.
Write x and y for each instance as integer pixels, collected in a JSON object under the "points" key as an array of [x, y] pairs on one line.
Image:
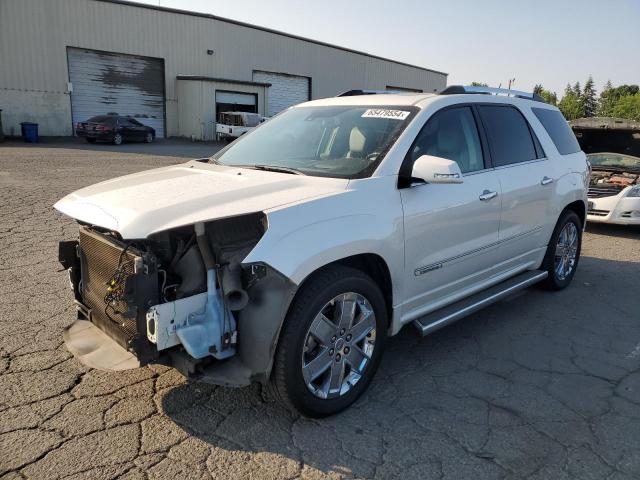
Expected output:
{"points": [[385, 113]]}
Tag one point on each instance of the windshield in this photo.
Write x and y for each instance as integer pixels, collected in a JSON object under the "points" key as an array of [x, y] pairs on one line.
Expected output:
{"points": [[613, 160], [344, 141]]}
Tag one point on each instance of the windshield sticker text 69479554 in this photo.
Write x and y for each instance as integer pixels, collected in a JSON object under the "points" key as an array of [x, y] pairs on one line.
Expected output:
{"points": [[385, 113]]}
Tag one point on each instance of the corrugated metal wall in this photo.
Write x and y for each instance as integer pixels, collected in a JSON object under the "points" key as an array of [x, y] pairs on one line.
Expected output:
{"points": [[285, 90], [34, 35], [105, 83]]}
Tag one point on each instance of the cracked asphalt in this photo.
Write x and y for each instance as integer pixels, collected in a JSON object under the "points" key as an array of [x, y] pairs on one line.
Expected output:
{"points": [[540, 386]]}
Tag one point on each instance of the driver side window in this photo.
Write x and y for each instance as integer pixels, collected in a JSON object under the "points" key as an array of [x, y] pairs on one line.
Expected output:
{"points": [[451, 134]]}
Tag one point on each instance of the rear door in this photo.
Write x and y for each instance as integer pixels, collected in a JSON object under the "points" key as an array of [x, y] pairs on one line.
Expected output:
{"points": [[451, 231], [526, 180]]}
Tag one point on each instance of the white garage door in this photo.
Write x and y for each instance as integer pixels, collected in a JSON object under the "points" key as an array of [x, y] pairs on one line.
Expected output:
{"points": [[285, 90], [114, 83]]}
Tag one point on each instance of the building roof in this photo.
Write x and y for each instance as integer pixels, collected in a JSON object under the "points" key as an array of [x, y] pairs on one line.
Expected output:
{"points": [[264, 29], [608, 123], [221, 80]]}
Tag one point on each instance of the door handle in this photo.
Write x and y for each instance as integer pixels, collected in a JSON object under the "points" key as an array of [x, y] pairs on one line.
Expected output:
{"points": [[546, 180], [487, 195]]}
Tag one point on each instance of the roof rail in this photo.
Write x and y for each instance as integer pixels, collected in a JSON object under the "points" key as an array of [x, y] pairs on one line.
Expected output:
{"points": [[463, 89], [353, 93]]}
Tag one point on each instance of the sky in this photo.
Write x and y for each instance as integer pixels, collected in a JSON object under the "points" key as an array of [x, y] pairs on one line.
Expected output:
{"points": [[552, 42]]}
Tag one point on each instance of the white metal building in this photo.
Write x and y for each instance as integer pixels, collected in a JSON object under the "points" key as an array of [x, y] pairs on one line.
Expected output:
{"points": [[63, 61]]}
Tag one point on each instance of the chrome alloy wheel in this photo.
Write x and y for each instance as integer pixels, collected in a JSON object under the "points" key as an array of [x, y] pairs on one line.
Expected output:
{"points": [[338, 345], [566, 251]]}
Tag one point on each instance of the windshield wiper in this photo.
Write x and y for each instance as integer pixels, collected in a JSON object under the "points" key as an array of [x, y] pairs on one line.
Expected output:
{"points": [[275, 168]]}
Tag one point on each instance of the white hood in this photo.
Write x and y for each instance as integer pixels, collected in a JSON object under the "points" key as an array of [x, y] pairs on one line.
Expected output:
{"points": [[147, 202]]}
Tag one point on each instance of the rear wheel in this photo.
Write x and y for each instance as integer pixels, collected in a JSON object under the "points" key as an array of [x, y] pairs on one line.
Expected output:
{"points": [[331, 343], [117, 139], [563, 251]]}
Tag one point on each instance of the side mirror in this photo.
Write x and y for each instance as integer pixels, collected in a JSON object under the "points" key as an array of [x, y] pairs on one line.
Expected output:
{"points": [[436, 170]]}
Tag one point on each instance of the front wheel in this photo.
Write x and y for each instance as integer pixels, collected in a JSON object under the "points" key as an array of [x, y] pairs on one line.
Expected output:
{"points": [[563, 251], [117, 139], [148, 137], [331, 344]]}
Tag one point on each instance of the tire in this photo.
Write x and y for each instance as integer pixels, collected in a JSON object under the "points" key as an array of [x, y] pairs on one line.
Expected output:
{"points": [[90, 140], [559, 278], [298, 347], [148, 137], [117, 139]]}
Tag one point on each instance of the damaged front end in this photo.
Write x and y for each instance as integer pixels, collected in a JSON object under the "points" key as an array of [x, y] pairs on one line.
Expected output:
{"points": [[181, 297]]}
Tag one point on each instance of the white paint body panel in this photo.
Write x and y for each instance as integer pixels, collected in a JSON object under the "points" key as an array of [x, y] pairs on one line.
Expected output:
{"points": [[617, 206], [314, 221]]}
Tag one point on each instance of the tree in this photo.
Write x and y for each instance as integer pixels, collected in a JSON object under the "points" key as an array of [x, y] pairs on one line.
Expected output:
{"points": [[588, 98], [577, 91], [606, 101], [611, 96], [627, 106], [548, 96], [571, 107]]}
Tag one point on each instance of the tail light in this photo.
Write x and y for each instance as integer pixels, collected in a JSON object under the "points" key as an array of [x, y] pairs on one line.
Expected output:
{"points": [[79, 125]]}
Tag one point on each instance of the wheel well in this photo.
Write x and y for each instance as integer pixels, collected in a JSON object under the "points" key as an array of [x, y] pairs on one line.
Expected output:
{"points": [[578, 207], [374, 266]]}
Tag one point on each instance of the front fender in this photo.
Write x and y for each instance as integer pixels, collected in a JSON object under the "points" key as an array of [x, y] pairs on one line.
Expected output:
{"points": [[303, 238]]}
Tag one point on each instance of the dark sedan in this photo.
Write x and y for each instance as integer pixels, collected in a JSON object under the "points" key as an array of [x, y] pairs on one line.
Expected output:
{"points": [[115, 129]]}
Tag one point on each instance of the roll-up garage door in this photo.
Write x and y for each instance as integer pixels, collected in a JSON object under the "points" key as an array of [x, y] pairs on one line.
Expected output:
{"points": [[235, 102], [104, 83], [285, 90]]}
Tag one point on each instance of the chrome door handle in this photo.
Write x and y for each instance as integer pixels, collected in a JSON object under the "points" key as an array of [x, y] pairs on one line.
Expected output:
{"points": [[487, 195], [546, 180]]}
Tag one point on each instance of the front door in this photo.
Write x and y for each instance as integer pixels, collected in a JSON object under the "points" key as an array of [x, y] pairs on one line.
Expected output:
{"points": [[451, 231]]}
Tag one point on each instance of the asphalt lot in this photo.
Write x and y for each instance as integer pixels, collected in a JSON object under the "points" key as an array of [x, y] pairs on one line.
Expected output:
{"points": [[541, 386]]}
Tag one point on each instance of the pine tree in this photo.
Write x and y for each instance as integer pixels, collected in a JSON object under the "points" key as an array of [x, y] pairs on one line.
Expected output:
{"points": [[577, 90], [606, 101], [588, 98]]}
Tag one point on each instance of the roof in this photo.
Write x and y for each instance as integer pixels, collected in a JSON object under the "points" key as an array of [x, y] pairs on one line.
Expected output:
{"points": [[608, 123], [397, 99], [264, 29], [221, 80]]}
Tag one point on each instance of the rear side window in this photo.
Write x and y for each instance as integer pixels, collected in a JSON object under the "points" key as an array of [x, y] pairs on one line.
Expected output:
{"points": [[558, 129], [509, 135]]}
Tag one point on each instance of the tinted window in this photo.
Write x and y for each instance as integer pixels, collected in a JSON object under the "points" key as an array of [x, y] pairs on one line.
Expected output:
{"points": [[135, 122], [451, 134], [104, 119], [558, 129], [509, 135]]}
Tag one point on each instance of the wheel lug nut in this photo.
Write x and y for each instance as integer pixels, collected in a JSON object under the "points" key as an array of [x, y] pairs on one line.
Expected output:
{"points": [[346, 350], [338, 357], [333, 339], [349, 338], [342, 332], [331, 352]]}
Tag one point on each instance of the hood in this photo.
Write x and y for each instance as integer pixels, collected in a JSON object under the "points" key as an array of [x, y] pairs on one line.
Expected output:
{"points": [[138, 205]]}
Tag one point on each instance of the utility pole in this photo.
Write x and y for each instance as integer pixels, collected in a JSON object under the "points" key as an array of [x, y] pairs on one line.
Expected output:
{"points": [[511, 82]]}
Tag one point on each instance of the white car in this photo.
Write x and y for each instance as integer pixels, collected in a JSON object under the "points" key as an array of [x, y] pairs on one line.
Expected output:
{"points": [[290, 256], [235, 124], [614, 190]]}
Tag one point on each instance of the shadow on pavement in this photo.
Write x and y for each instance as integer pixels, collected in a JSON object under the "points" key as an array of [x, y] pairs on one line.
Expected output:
{"points": [[172, 147], [624, 231]]}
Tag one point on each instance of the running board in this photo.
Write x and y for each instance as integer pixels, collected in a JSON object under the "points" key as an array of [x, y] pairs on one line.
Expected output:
{"points": [[451, 313]]}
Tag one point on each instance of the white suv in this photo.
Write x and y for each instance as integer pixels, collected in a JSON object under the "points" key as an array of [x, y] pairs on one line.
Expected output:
{"points": [[291, 255]]}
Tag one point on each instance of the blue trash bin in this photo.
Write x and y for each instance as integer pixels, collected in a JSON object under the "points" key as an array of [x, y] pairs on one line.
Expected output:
{"points": [[29, 131]]}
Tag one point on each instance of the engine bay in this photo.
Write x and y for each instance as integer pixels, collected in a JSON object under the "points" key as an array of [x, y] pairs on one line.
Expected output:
{"points": [[174, 297]]}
